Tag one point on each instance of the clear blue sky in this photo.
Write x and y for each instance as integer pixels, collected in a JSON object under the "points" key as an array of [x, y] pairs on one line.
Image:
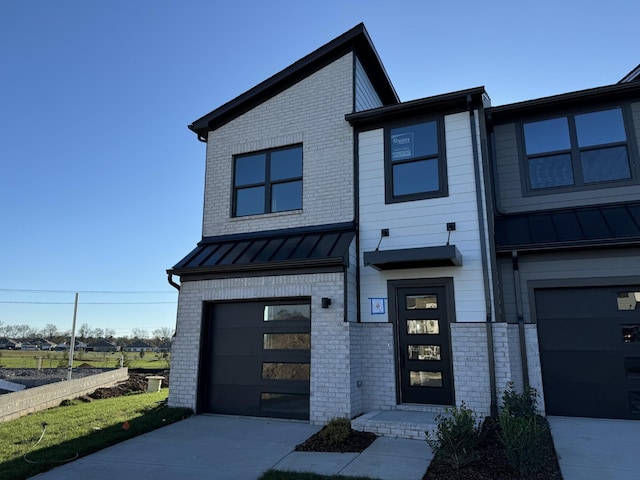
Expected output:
{"points": [[101, 182]]}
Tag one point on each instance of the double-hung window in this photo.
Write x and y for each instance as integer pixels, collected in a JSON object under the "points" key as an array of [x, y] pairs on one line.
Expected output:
{"points": [[268, 181], [415, 166], [577, 150]]}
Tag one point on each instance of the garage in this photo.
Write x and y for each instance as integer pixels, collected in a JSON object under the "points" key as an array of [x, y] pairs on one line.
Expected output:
{"points": [[255, 358], [589, 340]]}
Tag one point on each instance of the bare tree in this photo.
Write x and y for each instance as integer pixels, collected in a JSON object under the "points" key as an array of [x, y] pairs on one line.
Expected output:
{"points": [[109, 332], [140, 333], [50, 331], [97, 333], [84, 331]]}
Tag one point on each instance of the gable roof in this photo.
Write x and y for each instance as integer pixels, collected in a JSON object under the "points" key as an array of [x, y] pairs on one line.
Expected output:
{"points": [[632, 76], [357, 39], [139, 343], [102, 343]]}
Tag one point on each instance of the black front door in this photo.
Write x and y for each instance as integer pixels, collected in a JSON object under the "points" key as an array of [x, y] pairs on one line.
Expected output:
{"points": [[423, 343]]}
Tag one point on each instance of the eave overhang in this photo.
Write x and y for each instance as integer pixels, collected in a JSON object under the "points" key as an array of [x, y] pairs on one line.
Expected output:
{"points": [[578, 99], [297, 248], [446, 103], [423, 257], [357, 39]]}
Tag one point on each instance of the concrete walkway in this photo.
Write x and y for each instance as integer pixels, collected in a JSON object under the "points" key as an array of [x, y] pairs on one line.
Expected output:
{"points": [[597, 448], [240, 448], [243, 448]]}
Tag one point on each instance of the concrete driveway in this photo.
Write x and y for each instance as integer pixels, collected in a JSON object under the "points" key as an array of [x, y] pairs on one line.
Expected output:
{"points": [[597, 448], [240, 448]]}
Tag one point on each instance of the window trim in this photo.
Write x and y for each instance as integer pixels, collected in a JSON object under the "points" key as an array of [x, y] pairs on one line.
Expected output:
{"points": [[268, 183], [575, 150], [441, 158]]}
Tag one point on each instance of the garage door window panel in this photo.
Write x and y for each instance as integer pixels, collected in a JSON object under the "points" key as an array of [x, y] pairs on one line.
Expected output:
{"points": [[286, 341], [298, 312], [286, 371]]}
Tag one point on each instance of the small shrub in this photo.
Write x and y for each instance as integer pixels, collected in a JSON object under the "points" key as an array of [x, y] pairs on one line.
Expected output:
{"points": [[520, 404], [456, 437], [524, 439], [337, 431]]}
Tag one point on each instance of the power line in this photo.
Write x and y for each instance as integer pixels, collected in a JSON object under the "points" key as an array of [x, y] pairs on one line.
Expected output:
{"points": [[87, 303], [136, 292]]}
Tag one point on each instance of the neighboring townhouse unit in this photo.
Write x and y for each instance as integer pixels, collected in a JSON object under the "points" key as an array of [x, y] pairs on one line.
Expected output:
{"points": [[568, 244], [362, 254]]}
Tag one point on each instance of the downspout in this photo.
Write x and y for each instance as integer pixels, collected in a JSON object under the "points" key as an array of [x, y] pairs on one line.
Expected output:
{"points": [[485, 262], [523, 343], [171, 282]]}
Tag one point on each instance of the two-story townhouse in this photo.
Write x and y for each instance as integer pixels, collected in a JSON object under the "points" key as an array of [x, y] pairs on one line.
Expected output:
{"points": [[567, 221], [360, 254], [268, 297]]}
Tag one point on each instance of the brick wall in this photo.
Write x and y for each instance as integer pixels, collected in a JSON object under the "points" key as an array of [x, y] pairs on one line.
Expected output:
{"points": [[17, 404], [471, 366], [310, 112], [330, 344]]}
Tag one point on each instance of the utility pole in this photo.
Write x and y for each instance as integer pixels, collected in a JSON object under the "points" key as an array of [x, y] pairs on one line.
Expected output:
{"points": [[73, 338]]}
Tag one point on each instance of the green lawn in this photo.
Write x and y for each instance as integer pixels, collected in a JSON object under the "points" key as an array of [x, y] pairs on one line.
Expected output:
{"points": [[78, 430], [27, 359]]}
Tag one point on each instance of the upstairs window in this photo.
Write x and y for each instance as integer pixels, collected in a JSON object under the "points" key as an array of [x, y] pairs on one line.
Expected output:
{"points": [[268, 181], [577, 150], [414, 163]]}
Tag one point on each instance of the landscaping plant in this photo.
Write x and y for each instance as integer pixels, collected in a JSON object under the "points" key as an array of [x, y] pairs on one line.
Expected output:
{"points": [[337, 431], [456, 437], [523, 432]]}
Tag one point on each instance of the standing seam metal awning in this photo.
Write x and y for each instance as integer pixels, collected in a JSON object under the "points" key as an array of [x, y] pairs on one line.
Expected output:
{"points": [[601, 225], [326, 245]]}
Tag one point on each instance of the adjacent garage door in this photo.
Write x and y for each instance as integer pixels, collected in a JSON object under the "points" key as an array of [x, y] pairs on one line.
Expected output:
{"points": [[256, 359], [590, 350]]}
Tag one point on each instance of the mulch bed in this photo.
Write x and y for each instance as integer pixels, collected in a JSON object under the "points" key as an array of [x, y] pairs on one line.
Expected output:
{"points": [[492, 463], [356, 442]]}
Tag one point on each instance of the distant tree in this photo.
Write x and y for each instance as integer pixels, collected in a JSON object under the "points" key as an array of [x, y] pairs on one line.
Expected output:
{"points": [[50, 331], [84, 331], [109, 332], [97, 333], [162, 335], [140, 333]]}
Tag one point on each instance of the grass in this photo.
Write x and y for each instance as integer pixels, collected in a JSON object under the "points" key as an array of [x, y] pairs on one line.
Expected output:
{"points": [[284, 475], [27, 359], [78, 430]]}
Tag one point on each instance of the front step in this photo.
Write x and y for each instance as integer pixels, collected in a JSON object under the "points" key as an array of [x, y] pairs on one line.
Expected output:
{"points": [[396, 423]]}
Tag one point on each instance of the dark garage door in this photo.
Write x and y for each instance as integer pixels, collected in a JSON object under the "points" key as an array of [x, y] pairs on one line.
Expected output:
{"points": [[256, 359], [590, 350]]}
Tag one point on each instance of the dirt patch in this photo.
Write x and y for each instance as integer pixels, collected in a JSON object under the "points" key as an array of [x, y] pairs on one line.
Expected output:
{"points": [[356, 442], [135, 384]]}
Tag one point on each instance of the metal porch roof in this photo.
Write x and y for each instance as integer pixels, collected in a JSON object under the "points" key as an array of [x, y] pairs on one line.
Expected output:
{"points": [[601, 225], [326, 245]]}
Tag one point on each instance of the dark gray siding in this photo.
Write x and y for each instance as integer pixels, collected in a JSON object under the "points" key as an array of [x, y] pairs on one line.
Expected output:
{"points": [[366, 96], [510, 178], [589, 267]]}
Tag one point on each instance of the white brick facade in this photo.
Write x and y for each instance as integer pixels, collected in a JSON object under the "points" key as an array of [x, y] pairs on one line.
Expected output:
{"points": [[310, 112]]}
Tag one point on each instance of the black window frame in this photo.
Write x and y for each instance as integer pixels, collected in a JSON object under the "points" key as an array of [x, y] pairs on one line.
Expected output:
{"points": [[575, 150], [443, 190], [268, 183]]}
